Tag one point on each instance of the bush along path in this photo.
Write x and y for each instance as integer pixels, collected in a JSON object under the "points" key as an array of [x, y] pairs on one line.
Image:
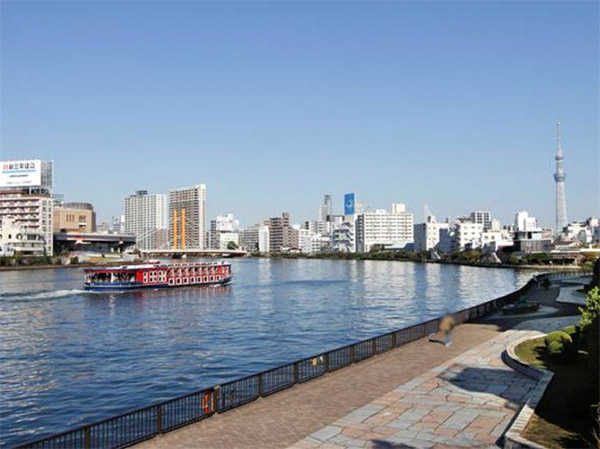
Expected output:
{"points": [[568, 415]]}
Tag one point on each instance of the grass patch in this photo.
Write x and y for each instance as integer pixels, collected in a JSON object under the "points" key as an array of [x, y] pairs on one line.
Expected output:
{"points": [[562, 418]]}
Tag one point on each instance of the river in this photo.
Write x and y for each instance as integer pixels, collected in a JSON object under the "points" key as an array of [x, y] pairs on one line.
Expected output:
{"points": [[68, 357]]}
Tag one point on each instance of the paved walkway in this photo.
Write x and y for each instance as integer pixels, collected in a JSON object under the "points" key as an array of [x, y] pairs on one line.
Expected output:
{"points": [[280, 420], [468, 401]]}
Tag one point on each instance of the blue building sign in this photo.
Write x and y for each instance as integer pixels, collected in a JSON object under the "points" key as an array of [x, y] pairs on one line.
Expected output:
{"points": [[349, 204]]}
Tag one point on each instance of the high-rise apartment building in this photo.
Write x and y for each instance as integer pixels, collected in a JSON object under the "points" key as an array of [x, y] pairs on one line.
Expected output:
{"points": [[187, 217], [146, 218], [282, 236], [384, 229], [26, 206]]}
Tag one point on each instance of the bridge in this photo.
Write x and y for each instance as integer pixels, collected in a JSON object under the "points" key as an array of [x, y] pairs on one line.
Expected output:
{"points": [[178, 253]]}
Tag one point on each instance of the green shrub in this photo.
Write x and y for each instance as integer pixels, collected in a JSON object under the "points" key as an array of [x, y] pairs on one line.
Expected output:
{"points": [[573, 332], [557, 336], [74, 260], [562, 351]]}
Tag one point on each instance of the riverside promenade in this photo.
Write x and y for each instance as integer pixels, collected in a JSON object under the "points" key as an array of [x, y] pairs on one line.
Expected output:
{"points": [[421, 395]]}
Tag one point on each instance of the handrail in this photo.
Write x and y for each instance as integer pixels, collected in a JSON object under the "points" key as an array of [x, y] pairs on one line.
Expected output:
{"points": [[144, 423]]}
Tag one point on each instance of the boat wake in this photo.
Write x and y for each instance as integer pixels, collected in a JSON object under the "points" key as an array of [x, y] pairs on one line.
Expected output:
{"points": [[34, 296]]}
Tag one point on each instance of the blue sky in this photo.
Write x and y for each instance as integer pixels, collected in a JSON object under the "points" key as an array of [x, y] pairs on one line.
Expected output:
{"points": [[273, 104]]}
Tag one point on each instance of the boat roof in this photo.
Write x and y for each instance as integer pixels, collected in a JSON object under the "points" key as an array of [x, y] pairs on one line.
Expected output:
{"points": [[155, 265]]}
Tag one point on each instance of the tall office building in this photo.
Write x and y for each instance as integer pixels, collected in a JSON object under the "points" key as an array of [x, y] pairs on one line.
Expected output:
{"points": [[26, 206], [326, 209], [146, 219], [187, 217], [559, 178]]}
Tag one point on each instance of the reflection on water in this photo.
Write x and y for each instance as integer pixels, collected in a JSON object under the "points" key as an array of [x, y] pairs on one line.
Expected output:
{"points": [[69, 356]]}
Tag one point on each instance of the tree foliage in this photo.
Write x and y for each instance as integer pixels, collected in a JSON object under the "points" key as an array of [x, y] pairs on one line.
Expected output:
{"points": [[592, 307]]}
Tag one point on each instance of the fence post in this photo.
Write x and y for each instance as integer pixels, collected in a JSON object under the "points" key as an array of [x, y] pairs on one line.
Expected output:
{"points": [[159, 412], [216, 391], [374, 346], [394, 339], [296, 373], [87, 439], [326, 362], [352, 354], [260, 385]]}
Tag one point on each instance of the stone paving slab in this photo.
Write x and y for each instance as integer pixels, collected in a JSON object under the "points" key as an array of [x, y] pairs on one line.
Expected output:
{"points": [[468, 401]]}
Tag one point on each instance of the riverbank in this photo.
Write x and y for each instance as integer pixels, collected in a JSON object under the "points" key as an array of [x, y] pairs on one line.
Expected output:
{"points": [[327, 257], [57, 266], [402, 257]]}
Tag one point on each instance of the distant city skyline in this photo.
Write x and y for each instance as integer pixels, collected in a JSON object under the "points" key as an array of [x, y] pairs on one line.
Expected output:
{"points": [[273, 105]]}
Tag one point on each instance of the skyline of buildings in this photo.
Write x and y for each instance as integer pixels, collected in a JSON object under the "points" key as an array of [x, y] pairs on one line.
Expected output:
{"points": [[178, 220]]}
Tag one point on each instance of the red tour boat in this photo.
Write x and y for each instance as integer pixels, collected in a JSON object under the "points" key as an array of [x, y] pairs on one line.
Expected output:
{"points": [[156, 275]]}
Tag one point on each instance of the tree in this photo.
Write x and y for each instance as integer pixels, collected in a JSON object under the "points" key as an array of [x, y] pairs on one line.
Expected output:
{"points": [[232, 245]]}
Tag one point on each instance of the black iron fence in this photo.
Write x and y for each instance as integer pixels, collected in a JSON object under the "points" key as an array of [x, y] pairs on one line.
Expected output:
{"points": [[144, 423]]}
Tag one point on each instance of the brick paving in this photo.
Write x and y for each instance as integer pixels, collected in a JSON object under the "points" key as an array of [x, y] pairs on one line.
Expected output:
{"points": [[468, 401]]}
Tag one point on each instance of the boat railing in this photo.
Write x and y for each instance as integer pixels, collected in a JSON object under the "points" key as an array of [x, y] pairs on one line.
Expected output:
{"points": [[144, 423]]}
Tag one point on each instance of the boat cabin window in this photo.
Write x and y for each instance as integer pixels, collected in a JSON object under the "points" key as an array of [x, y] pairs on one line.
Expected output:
{"points": [[111, 278]]}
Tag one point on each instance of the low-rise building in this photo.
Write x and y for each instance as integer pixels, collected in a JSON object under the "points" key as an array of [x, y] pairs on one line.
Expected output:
{"points": [[16, 239], [427, 235], [74, 217], [468, 234], [528, 236]]}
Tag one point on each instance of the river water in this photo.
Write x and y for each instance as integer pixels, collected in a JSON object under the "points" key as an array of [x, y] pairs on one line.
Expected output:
{"points": [[68, 357]]}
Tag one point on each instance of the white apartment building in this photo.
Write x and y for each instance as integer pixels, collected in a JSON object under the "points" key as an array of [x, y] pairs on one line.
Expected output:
{"points": [[381, 228], [187, 217], [524, 222], [18, 239], [528, 237], [343, 238], [26, 205], [146, 217], [304, 240], [427, 235], [264, 239], [227, 237], [467, 235], [222, 224]]}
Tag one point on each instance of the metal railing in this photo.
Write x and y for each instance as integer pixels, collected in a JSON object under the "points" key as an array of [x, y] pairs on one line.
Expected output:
{"points": [[566, 274], [144, 423]]}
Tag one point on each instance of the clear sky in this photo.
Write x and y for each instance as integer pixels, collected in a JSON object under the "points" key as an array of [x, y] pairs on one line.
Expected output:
{"points": [[273, 104]]}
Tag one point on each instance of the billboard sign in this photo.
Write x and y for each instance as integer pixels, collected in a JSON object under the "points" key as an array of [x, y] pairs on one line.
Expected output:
{"points": [[349, 204], [21, 173]]}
